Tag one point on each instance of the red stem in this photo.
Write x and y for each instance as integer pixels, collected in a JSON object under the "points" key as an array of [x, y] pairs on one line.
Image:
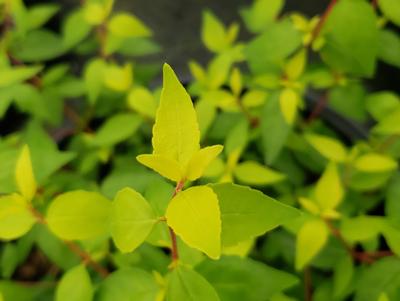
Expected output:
{"points": [[174, 244], [307, 284], [322, 21]]}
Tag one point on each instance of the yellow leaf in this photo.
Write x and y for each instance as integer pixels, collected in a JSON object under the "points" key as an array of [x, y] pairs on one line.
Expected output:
{"points": [[213, 33], [127, 25], [328, 147], [289, 101], [176, 132], [195, 216], [309, 205], [24, 174], [311, 238], [201, 160], [295, 67], [375, 163], [141, 100], [118, 78], [329, 190], [166, 167], [236, 81]]}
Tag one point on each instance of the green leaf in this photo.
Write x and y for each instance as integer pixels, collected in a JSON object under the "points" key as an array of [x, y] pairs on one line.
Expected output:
{"points": [[346, 48], [186, 284], [206, 113], [381, 104], [39, 14], [142, 101], [311, 238], [328, 147], [288, 102], [116, 129], [132, 283], [374, 162], [75, 285], [195, 216], [132, 220], [201, 160], [79, 214], [15, 217], [392, 205], [213, 33], [17, 74], [253, 173], [261, 13], [127, 25], [25, 178], [75, 29], [274, 128], [361, 228], [329, 190], [389, 47], [247, 213], [391, 10], [93, 77], [238, 279], [176, 133], [389, 125], [392, 236], [118, 78], [343, 274]]}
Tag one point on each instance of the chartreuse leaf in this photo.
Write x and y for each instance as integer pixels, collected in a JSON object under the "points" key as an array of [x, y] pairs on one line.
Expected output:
{"points": [[24, 174], [311, 238], [186, 284], [247, 213], [165, 166], [288, 101], [75, 29], [329, 189], [295, 66], [132, 220], [38, 15], [10, 76], [235, 82], [75, 285], [195, 216], [200, 161], [118, 78], [97, 12], [343, 274], [213, 33], [361, 228], [328, 147], [79, 214], [141, 100], [253, 173], [261, 13], [389, 125], [391, 9], [127, 25], [93, 77], [15, 216], [374, 162]]}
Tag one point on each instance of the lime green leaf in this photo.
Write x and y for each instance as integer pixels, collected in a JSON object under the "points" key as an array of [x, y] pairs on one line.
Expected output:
{"points": [[17, 74], [195, 216], [392, 236], [381, 104], [329, 189], [79, 215], [176, 133], [374, 162], [205, 112], [127, 25], [201, 160], [165, 166], [389, 125], [186, 284], [390, 55], [93, 77], [75, 285], [132, 220], [253, 173], [142, 101], [213, 33], [24, 174], [383, 297], [116, 129], [96, 13], [15, 217], [391, 10], [261, 14], [343, 274], [311, 238], [289, 100], [38, 15], [75, 29], [328, 147], [236, 82], [295, 66], [118, 78], [361, 228], [247, 213]]}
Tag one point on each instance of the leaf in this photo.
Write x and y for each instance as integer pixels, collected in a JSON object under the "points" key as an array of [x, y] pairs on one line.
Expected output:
{"points": [[176, 133], [343, 274], [17, 74], [186, 284], [392, 205], [24, 174], [328, 147], [390, 55], [75, 285], [389, 125], [127, 25], [381, 104], [132, 220], [288, 101], [116, 129], [93, 77], [392, 236], [374, 162], [15, 217], [40, 14], [274, 128], [195, 216], [262, 12], [329, 190], [253, 173], [118, 78], [75, 29], [206, 113], [391, 10], [213, 33], [247, 213], [294, 68], [346, 48], [311, 238], [361, 228], [128, 282], [141, 100], [238, 279], [79, 214], [201, 160], [166, 167], [235, 82]]}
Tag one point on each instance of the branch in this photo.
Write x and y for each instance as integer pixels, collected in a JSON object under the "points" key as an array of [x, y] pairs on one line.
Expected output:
{"points": [[320, 24], [307, 284], [174, 244]]}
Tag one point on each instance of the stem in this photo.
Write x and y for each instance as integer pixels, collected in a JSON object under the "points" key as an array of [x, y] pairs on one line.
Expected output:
{"points": [[307, 284], [318, 108], [374, 4], [174, 244], [320, 25], [254, 122]]}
